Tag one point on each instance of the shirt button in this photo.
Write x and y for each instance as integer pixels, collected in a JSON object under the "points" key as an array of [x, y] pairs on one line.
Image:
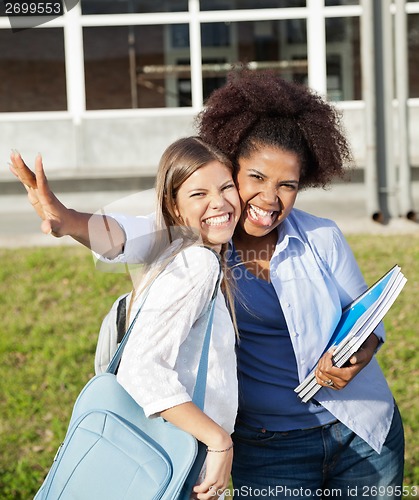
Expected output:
{"points": [[294, 334], [287, 304]]}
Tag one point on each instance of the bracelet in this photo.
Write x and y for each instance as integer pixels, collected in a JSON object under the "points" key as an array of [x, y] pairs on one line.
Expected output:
{"points": [[220, 451]]}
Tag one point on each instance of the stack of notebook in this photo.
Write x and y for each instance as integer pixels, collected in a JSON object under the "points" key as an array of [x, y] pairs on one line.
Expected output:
{"points": [[358, 321]]}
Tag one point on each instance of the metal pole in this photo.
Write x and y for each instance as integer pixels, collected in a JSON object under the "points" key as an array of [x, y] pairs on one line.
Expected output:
{"points": [[402, 78], [368, 95], [384, 107]]}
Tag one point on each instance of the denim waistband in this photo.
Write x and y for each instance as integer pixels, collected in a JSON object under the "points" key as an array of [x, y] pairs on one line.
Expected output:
{"points": [[262, 429]]}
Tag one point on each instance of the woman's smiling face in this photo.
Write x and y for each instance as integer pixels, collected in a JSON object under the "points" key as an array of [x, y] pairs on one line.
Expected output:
{"points": [[267, 181], [208, 201]]}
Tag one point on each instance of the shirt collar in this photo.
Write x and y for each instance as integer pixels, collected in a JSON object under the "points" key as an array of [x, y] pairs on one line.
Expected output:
{"points": [[287, 230]]}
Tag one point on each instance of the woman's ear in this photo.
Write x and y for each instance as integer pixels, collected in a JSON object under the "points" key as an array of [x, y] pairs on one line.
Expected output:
{"points": [[178, 217], [171, 206]]}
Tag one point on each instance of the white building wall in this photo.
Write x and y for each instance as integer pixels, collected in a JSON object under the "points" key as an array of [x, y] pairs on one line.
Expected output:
{"points": [[80, 143], [130, 144]]}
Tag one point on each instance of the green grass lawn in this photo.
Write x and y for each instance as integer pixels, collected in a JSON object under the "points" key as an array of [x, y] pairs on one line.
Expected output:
{"points": [[52, 301]]}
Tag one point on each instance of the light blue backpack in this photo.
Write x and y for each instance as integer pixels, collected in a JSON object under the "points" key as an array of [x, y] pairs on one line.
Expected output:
{"points": [[112, 451]]}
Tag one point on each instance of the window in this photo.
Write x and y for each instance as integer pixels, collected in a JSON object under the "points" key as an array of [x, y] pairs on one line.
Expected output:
{"points": [[129, 67], [332, 3], [343, 59], [264, 43], [35, 76], [413, 51], [250, 4], [132, 6]]}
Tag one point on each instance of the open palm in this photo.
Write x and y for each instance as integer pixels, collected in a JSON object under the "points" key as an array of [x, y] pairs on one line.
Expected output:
{"points": [[45, 203]]}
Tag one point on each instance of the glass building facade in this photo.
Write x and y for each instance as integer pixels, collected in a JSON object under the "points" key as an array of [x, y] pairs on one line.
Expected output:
{"points": [[116, 63], [134, 58], [137, 53]]}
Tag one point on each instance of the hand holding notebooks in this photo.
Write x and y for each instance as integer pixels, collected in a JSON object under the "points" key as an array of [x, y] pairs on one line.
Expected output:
{"points": [[358, 321]]}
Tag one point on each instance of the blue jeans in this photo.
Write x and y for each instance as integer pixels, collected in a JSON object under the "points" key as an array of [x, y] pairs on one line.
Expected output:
{"points": [[324, 462]]}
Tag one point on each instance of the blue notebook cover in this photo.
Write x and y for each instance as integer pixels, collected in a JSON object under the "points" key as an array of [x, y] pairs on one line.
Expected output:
{"points": [[357, 314], [357, 308]]}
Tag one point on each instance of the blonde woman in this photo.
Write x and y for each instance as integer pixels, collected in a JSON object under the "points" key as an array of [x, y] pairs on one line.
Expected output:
{"points": [[196, 214], [196, 194]]}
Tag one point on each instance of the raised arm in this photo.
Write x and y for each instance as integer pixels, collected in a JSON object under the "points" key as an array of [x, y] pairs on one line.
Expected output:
{"points": [[108, 237]]}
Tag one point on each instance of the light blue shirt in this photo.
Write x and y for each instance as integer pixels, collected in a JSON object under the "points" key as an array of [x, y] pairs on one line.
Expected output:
{"points": [[266, 365], [315, 275]]}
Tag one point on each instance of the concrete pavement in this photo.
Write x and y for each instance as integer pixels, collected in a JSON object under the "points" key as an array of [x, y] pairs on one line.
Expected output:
{"points": [[344, 203]]}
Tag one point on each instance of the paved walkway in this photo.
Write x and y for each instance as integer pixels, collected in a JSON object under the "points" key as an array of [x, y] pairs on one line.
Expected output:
{"points": [[344, 203]]}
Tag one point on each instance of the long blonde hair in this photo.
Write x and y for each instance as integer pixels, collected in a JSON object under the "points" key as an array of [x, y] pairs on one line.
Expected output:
{"points": [[178, 162]]}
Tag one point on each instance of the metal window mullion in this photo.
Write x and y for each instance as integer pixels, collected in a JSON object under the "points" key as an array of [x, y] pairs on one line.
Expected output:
{"points": [[74, 63], [412, 8], [219, 16], [316, 46], [343, 11], [196, 55]]}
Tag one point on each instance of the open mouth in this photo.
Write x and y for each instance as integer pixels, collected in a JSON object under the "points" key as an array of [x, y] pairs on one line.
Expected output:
{"points": [[261, 217], [218, 220]]}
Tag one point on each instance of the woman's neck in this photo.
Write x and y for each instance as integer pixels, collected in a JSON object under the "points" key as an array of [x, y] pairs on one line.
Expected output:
{"points": [[256, 252]]}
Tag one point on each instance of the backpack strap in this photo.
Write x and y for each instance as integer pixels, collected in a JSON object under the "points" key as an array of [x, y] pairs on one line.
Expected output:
{"points": [[201, 379], [121, 318]]}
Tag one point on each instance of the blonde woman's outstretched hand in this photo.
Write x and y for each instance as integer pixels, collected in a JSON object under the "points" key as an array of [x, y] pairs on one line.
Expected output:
{"points": [[59, 220], [45, 203]]}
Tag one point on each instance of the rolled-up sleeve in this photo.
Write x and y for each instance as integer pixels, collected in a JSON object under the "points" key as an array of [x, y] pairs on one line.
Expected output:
{"points": [[139, 238]]}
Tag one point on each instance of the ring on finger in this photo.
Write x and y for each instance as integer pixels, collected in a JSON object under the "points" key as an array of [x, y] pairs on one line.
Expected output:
{"points": [[329, 383]]}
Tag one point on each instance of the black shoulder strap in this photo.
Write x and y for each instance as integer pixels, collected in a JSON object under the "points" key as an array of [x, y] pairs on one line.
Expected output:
{"points": [[121, 316]]}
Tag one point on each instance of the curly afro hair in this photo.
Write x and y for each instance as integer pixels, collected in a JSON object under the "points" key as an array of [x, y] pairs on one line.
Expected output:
{"points": [[261, 109]]}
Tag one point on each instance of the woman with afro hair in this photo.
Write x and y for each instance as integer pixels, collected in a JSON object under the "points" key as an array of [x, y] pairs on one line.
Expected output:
{"points": [[293, 273]]}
